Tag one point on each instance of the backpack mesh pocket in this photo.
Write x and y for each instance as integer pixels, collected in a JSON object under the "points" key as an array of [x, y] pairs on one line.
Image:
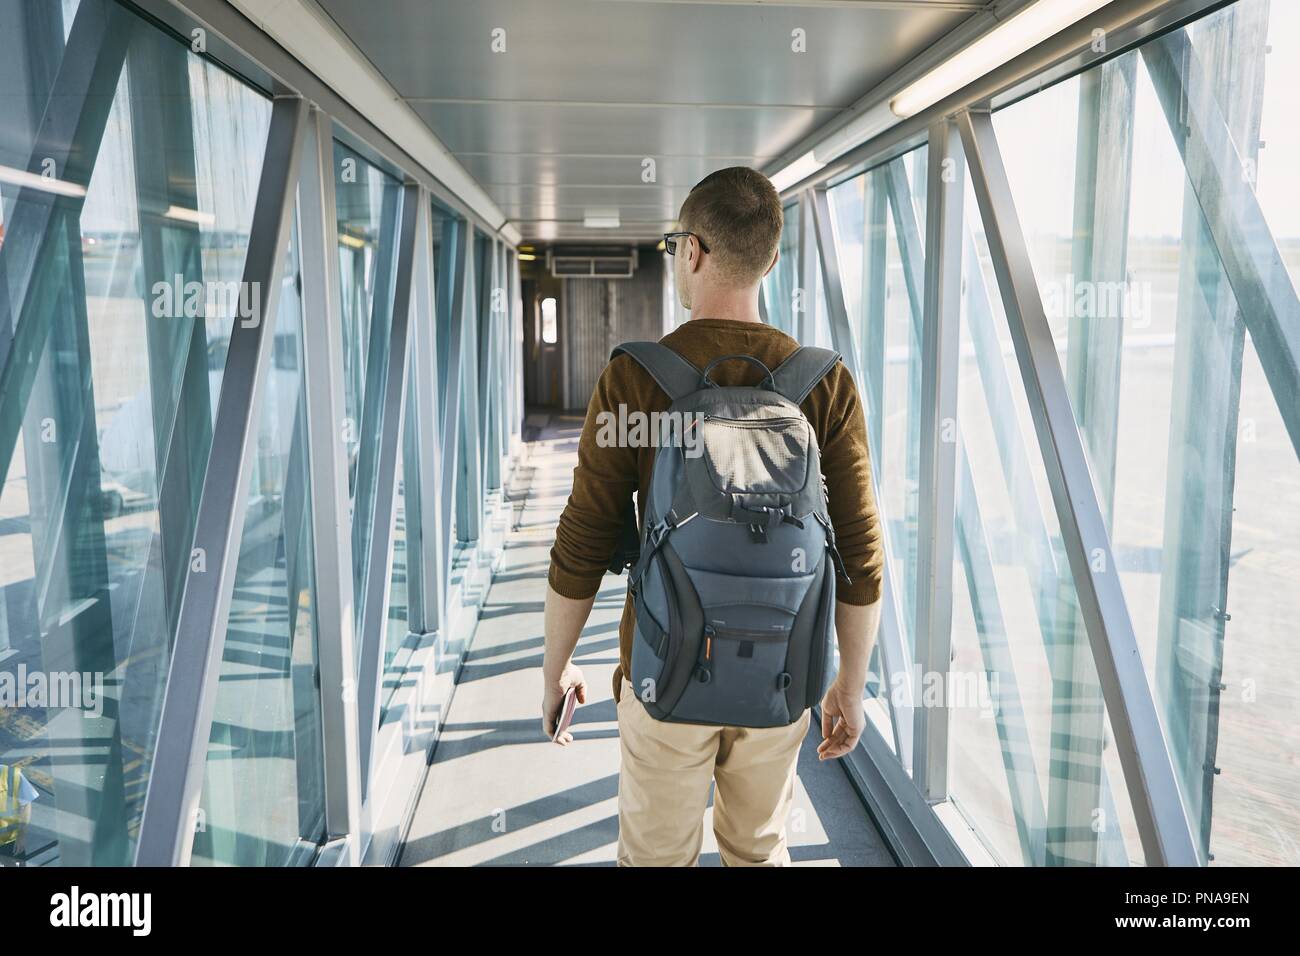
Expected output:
{"points": [[756, 456]]}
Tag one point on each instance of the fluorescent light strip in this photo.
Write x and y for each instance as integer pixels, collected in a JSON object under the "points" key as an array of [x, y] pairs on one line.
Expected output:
{"points": [[801, 168], [20, 177], [1008, 40], [190, 215]]}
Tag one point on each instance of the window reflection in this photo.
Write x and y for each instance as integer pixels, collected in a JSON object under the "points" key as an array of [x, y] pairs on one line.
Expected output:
{"points": [[104, 436], [1190, 454], [368, 204]]}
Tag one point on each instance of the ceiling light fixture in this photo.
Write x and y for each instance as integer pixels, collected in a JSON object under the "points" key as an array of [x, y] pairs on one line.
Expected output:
{"points": [[1004, 42], [800, 169], [1007, 40]]}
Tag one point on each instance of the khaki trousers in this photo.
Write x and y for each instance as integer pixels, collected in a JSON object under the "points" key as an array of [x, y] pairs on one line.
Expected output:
{"points": [[663, 788]]}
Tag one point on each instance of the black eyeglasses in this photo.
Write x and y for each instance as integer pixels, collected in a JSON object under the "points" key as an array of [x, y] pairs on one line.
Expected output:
{"points": [[670, 241]]}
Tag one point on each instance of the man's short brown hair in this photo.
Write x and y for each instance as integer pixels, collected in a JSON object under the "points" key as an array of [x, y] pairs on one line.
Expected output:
{"points": [[737, 213]]}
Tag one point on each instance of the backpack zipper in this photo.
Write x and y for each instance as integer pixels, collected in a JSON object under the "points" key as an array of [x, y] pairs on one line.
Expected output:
{"points": [[746, 633], [752, 422]]}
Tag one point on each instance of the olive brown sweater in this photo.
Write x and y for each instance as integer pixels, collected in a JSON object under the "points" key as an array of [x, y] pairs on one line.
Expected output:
{"points": [[606, 477]]}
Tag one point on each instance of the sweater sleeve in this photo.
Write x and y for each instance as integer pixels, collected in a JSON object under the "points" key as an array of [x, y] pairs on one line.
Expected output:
{"points": [[846, 465], [604, 482]]}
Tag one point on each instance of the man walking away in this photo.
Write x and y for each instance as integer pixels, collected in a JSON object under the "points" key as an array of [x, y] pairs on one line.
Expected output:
{"points": [[730, 230]]}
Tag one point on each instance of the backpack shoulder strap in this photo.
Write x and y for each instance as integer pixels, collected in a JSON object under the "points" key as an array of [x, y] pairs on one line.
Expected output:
{"points": [[799, 374], [671, 372]]}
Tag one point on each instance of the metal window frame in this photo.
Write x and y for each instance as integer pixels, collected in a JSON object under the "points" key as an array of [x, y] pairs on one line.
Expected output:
{"points": [[837, 311], [938, 453], [331, 511], [1162, 822], [1153, 788], [458, 251], [424, 340], [238, 44], [516, 350], [1124, 24], [803, 323], [175, 783], [1245, 244], [469, 424], [490, 381], [296, 177], [379, 561], [895, 659], [892, 197], [95, 52]]}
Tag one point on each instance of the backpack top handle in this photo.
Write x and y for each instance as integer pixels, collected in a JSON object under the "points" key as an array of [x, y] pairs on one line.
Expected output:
{"points": [[767, 381]]}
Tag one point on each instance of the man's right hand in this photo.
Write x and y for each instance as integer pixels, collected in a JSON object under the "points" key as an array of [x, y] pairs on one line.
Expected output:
{"points": [[843, 720], [553, 697]]}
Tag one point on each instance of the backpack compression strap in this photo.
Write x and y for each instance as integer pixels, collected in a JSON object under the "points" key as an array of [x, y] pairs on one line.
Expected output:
{"points": [[671, 372], [799, 374]]}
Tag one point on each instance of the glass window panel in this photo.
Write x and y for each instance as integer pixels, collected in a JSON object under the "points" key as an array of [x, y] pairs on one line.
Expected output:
{"points": [[1032, 763], [469, 423], [1190, 457], [263, 801], [368, 202], [884, 310], [779, 284], [849, 218], [399, 642], [105, 445]]}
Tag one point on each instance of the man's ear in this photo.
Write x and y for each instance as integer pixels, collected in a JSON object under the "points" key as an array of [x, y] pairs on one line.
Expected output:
{"points": [[696, 260], [775, 258]]}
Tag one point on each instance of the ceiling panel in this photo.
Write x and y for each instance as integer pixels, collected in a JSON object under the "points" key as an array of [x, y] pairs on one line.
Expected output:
{"points": [[686, 130], [586, 89], [548, 229], [576, 213], [503, 169], [624, 197], [628, 51]]}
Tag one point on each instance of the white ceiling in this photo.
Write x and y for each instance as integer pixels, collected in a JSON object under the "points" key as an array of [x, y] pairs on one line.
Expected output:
{"points": [[586, 90]]}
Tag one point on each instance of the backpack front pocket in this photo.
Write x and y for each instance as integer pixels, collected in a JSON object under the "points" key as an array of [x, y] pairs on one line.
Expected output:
{"points": [[739, 672], [756, 456]]}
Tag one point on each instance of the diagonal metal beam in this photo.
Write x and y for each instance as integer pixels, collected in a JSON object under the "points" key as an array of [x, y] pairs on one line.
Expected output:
{"points": [[838, 313], [894, 656], [1148, 771], [166, 830], [432, 585], [940, 334], [469, 473], [489, 385], [803, 322], [378, 353], [971, 536], [1077, 783], [332, 540], [1236, 222], [457, 252], [66, 145], [379, 561]]}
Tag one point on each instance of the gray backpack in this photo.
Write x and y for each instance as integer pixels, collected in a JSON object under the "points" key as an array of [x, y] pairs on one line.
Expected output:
{"points": [[734, 584]]}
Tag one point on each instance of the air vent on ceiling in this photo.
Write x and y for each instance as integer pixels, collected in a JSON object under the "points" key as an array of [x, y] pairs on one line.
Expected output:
{"points": [[592, 262]]}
